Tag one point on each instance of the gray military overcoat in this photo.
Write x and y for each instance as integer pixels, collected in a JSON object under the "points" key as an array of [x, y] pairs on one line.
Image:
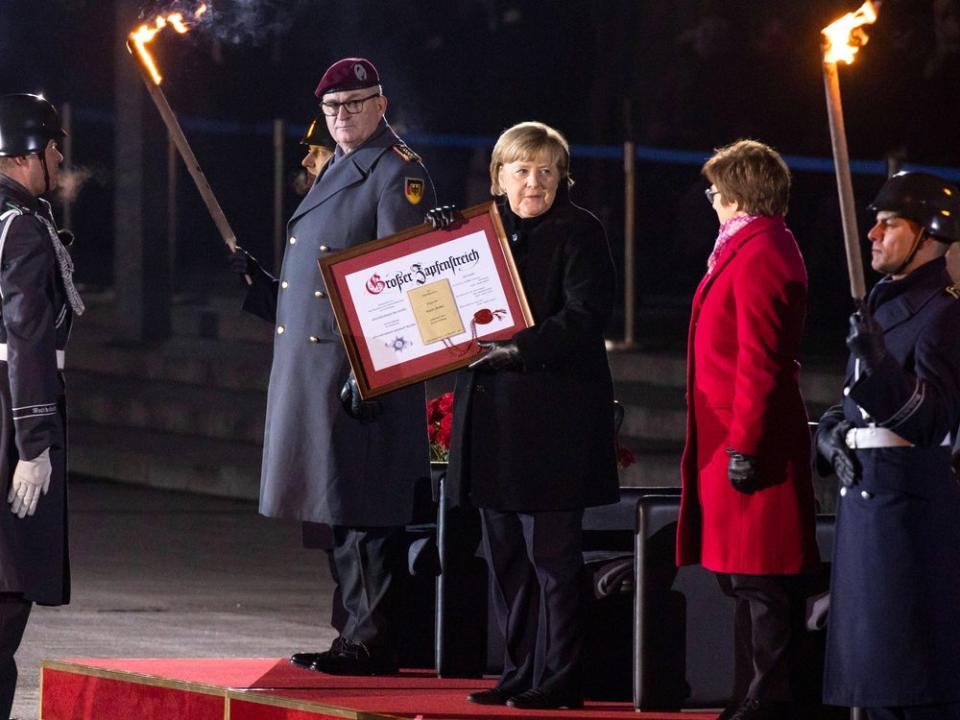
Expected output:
{"points": [[320, 464]]}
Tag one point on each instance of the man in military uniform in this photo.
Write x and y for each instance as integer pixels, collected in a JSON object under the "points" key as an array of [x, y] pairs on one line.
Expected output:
{"points": [[39, 300], [893, 640], [329, 456], [319, 149]]}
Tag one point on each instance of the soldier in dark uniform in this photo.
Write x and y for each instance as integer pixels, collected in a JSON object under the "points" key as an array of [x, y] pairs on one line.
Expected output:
{"points": [[328, 456], [39, 300], [319, 146], [893, 641]]}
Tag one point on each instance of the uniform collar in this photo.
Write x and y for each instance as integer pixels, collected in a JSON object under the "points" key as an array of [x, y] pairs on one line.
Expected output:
{"points": [[16, 193], [346, 169], [372, 148], [895, 301], [915, 288]]}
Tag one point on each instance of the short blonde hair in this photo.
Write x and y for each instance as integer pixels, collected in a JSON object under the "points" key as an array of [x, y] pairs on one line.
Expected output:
{"points": [[525, 141], [752, 175]]}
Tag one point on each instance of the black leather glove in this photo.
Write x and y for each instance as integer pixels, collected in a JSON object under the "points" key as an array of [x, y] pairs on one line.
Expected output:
{"points": [[242, 263], [363, 410], [441, 217], [865, 340], [501, 355], [744, 472], [832, 445]]}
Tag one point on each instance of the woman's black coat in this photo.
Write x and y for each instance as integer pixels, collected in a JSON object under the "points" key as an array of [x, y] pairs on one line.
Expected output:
{"points": [[543, 438]]}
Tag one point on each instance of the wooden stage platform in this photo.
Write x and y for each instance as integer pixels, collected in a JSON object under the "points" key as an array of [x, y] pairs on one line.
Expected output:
{"points": [[273, 689]]}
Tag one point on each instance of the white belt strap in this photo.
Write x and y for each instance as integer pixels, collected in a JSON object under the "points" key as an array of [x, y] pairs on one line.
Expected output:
{"points": [[61, 356], [868, 438]]}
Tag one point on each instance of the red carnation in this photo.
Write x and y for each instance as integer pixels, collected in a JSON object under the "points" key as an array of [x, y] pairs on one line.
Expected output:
{"points": [[439, 425]]}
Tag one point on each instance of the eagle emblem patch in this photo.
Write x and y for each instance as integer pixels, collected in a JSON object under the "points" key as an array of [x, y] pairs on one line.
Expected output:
{"points": [[413, 190]]}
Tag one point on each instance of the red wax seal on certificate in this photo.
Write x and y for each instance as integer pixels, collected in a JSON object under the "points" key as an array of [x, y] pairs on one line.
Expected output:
{"points": [[483, 317]]}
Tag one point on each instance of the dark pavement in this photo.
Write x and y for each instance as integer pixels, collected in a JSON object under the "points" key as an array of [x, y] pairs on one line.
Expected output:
{"points": [[165, 574]]}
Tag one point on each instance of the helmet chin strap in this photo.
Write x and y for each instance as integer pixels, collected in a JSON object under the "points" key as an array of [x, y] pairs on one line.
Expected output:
{"points": [[909, 259], [46, 173]]}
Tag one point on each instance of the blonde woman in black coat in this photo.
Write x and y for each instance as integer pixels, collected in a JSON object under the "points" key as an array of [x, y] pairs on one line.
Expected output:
{"points": [[533, 423]]}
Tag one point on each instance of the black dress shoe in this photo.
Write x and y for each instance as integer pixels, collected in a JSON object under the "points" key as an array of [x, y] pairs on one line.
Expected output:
{"points": [[309, 660], [538, 699], [493, 696], [729, 711], [351, 658]]}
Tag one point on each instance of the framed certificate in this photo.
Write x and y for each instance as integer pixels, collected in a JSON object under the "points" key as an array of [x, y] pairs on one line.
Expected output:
{"points": [[413, 305]]}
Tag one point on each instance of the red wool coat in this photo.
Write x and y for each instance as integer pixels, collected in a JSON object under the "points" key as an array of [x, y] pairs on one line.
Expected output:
{"points": [[743, 392]]}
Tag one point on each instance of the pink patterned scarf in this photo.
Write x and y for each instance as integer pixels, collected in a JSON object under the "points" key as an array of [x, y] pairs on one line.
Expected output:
{"points": [[727, 230]]}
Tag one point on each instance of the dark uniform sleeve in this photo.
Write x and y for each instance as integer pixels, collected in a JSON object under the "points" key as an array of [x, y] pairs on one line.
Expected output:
{"points": [[395, 211], [27, 277], [924, 405], [588, 287], [261, 298]]}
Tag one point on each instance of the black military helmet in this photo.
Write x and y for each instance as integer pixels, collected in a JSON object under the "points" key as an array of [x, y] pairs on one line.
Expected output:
{"points": [[924, 198], [317, 133], [27, 124]]}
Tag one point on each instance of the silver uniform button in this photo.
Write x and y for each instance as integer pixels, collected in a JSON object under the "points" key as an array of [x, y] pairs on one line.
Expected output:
{"points": [[284, 284], [293, 240], [319, 294], [843, 491], [866, 495], [324, 248], [314, 339], [280, 329], [846, 391]]}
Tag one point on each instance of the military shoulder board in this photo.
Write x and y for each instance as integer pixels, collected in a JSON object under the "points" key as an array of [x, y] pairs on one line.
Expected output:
{"points": [[406, 153], [954, 290]]}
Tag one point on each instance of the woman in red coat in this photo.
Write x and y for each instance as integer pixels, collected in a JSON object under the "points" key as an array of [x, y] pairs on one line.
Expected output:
{"points": [[747, 510]]}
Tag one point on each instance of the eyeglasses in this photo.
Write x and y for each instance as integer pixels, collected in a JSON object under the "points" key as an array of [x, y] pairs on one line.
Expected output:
{"points": [[711, 193], [332, 109]]}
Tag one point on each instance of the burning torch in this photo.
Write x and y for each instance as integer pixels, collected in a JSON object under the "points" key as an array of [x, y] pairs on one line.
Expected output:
{"points": [[840, 42], [137, 45]]}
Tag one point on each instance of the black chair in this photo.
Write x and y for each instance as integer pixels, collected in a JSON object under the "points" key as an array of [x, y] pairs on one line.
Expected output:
{"points": [[608, 544], [683, 623]]}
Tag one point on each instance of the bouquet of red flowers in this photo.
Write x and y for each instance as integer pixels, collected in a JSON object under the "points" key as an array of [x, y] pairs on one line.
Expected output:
{"points": [[439, 422], [625, 456]]}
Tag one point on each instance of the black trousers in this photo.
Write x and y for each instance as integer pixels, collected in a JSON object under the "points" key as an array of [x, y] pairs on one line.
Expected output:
{"points": [[768, 622], [14, 613], [368, 564], [536, 564], [919, 712]]}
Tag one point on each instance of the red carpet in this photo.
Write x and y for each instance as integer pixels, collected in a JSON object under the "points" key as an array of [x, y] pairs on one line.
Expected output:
{"points": [[271, 689]]}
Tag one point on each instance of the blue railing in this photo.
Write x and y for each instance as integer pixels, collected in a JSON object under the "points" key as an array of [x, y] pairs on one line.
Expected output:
{"points": [[797, 163]]}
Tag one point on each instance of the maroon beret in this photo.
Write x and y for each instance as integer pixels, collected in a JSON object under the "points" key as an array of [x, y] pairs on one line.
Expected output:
{"points": [[348, 74]]}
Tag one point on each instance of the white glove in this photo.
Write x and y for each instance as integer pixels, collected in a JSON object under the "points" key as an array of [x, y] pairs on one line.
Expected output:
{"points": [[30, 478]]}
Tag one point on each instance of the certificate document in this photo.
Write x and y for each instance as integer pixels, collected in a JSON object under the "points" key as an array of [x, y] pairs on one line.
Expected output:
{"points": [[435, 310], [414, 305]]}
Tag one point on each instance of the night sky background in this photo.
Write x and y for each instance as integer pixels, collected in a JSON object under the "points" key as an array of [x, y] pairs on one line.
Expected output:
{"points": [[668, 74]]}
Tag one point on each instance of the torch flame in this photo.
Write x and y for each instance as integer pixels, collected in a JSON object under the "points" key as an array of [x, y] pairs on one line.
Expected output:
{"points": [[842, 39], [145, 33]]}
